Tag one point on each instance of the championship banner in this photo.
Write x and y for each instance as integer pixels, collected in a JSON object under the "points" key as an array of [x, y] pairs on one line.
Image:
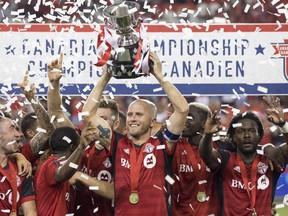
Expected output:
{"points": [[199, 59]]}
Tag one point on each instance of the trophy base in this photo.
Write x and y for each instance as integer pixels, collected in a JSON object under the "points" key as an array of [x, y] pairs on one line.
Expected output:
{"points": [[123, 70]]}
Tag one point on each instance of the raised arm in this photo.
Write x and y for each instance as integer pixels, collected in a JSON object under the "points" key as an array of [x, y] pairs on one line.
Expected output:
{"points": [[68, 169], [91, 106], [178, 118], [276, 116], [102, 188], [54, 97], [39, 140], [208, 154]]}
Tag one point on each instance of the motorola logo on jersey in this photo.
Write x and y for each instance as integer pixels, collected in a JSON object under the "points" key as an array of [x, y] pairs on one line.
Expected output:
{"points": [[149, 161], [104, 175]]}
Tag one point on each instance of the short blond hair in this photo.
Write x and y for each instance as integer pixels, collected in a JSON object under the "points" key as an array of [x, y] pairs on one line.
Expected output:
{"points": [[152, 107]]}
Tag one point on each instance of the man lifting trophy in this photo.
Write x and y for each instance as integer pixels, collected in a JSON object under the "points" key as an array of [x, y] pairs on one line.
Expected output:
{"points": [[125, 50]]}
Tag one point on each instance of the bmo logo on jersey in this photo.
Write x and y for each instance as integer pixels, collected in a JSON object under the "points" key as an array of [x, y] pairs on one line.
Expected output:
{"points": [[185, 168], [262, 183], [125, 163]]}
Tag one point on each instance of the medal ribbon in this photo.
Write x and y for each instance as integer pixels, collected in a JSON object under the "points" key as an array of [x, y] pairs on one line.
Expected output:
{"points": [[251, 193], [199, 174], [13, 183], [135, 167], [90, 156]]}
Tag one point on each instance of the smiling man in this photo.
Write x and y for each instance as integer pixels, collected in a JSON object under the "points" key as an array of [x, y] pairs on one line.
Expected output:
{"points": [[138, 158], [248, 182], [15, 190]]}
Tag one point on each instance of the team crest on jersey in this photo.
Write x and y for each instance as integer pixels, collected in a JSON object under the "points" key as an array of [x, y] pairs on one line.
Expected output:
{"points": [[104, 175], [281, 52], [107, 163], [237, 168], [149, 161], [263, 182], [262, 168], [149, 148], [127, 151]]}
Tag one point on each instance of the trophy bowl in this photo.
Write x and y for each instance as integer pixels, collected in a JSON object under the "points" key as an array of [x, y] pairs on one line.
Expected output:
{"points": [[121, 18]]}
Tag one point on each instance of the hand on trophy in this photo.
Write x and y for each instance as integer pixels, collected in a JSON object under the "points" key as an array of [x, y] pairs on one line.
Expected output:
{"points": [[105, 72], [157, 66], [126, 57]]}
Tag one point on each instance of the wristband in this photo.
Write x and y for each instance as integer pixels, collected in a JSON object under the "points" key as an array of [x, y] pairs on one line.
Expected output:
{"points": [[284, 128], [264, 146], [170, 137]]}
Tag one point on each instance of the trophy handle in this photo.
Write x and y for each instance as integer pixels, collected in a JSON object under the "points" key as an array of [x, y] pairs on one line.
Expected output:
{"points": [[136, 22], [109, 23]]}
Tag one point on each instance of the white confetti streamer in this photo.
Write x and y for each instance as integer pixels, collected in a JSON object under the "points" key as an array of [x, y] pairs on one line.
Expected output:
{"points": [[93, 187], [215, 138], [247, 7], [262, 89], [84, 176], [67, 139], [52, 118], [42, 130], [169, 179], [3, 179], [73, 165], [202, 182], [236, 125], [60, 120], [160, 147]]}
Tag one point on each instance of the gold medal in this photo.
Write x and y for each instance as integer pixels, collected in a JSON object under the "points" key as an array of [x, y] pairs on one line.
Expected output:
{"points": [[254, 213], [201, 196], [134, 198]]}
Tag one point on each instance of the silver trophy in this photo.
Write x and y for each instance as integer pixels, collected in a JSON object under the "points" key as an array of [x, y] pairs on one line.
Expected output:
{"points": [[121, 17]]}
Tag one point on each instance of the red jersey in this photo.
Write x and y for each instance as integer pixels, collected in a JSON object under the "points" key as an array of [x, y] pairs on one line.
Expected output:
{"points": [[25, 190], [186, 185], [235, 197], [53, 198], [27, 152], [97, 164], [151, 190]]}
